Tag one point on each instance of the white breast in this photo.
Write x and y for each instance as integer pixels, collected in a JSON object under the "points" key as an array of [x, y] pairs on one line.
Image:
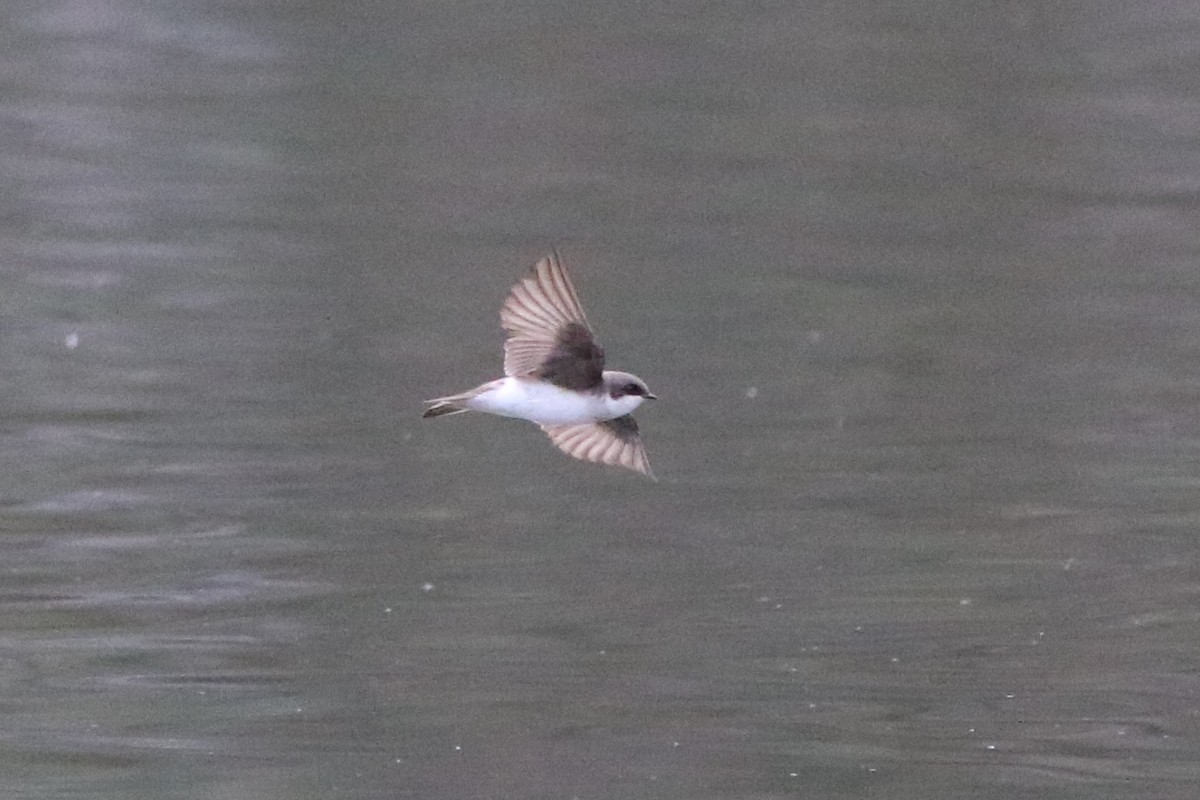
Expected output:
{"points": [[545, 403]]}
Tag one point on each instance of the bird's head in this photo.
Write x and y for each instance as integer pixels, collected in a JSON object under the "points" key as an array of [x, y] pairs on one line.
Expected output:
{"points": [[629, 390]]}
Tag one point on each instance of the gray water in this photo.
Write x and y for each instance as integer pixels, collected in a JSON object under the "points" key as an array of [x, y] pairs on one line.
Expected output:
{"points": [[917, 285]]}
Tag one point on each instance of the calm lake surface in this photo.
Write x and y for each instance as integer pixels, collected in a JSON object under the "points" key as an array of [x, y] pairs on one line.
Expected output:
{"points": [[919, 290]]}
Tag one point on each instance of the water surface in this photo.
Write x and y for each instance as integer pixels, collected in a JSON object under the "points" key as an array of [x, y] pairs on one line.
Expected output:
{"points": [[917, 288]]}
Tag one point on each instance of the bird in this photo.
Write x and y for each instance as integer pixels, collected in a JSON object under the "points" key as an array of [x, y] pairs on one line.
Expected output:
{"points": [[554, 375]]}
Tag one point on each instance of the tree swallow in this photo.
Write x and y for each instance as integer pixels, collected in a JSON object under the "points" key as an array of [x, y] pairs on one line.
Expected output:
{"points": [[555, 376]]}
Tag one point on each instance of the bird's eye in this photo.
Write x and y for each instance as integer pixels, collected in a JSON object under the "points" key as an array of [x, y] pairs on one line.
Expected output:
{"points": [[633, 388]]}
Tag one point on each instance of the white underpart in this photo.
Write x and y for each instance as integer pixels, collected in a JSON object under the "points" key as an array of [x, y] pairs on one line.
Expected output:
{"points": [[547, 404]]}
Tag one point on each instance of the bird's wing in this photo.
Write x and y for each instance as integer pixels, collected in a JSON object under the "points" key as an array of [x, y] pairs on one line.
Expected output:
{"points": [[614, 441], [548, 333]]}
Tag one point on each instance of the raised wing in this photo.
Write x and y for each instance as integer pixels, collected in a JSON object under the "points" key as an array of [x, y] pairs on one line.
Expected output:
{"points": [[614, 441], [548, 333]]}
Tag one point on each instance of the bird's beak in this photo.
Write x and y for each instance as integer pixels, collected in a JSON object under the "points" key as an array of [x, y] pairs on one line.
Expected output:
{"points": [[650, 396]]}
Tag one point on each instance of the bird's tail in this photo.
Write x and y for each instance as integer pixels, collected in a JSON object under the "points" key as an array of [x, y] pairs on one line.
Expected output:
{"points": [[457, 403], [444, 406]]}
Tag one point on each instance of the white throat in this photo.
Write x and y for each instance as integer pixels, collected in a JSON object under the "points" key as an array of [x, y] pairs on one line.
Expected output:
{"points": [[622, 405]]}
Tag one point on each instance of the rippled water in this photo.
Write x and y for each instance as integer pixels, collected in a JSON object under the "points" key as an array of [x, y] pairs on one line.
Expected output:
{"points": [[917, 287]]}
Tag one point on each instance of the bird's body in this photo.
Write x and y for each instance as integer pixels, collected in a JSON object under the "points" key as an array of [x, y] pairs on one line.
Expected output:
{"points": [[539, 401], [555, 376]]}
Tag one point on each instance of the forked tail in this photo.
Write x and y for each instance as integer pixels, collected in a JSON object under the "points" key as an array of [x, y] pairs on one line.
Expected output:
{"points": [[443, 406], [457, 403]]}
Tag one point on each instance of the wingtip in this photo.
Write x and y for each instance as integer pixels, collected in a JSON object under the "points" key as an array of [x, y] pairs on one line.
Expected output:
{"points": [[644, 468]]}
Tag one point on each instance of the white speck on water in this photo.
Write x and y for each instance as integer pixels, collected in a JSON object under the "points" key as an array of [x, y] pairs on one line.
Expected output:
{"points": [[71, 341], [387, 610], [426, 587], [966, 601], [751, 392]]}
